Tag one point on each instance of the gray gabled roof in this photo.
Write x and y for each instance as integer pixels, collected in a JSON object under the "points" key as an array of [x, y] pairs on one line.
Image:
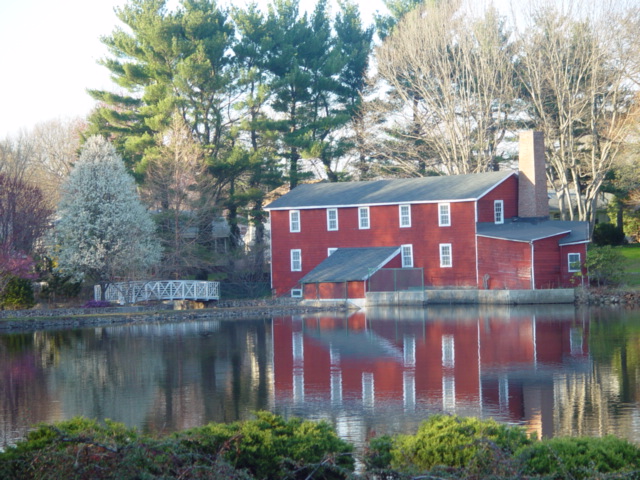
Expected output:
{"points": [[384, 192], [531, 229], [351, 264]]}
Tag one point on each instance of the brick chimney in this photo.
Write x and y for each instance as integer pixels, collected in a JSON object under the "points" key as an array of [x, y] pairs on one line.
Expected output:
{"points": [[533, 201]]}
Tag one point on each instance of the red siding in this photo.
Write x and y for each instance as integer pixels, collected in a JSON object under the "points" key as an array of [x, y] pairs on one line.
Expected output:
{"points": [[547, 262], [336, 291], [503, 264], [506, 191], [570, 279], [424, 234], [508, 264]]}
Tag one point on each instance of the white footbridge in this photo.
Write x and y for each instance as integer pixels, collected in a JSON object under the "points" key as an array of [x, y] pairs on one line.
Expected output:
{"points": [[142, 291]]}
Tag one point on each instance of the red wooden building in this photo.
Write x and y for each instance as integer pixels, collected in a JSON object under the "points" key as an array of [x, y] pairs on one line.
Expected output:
{"points": [[485, 230]]}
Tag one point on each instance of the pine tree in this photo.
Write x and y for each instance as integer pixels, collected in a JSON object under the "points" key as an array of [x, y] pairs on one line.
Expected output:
{"points": [[103, 232]]}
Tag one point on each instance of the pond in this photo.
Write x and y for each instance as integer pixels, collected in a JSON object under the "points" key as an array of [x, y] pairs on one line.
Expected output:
{"points": [[556, 370]]}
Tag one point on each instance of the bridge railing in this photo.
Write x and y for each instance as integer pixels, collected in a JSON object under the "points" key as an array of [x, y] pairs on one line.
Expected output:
{"points": [[141, 291]]}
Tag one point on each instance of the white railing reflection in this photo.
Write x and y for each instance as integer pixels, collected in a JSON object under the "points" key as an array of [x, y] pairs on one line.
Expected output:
{"points": [[141, 291]]}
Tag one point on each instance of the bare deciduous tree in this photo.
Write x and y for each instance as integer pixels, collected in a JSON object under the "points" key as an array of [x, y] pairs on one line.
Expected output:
{"points": [[574, 68], [56, 146], [451, 96], [181, 193], [25, 216]]}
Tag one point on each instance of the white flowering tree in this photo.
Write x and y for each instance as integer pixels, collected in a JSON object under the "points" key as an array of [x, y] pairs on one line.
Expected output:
{"points": [[103, 230]]}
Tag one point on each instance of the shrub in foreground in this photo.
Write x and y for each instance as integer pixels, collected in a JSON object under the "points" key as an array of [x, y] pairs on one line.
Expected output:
{"points": [[268, 447], [83, 449], [580, 457], [451, 441], [271, 447]]}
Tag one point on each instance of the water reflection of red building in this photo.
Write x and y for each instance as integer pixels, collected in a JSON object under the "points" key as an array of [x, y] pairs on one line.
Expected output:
{"points": [[498, 362]]}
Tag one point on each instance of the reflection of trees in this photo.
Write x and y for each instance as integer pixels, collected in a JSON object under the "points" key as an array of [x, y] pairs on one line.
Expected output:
{"points": [[615, 341], [155, 377], [24, 399], [219, 376], [602, 401], [103, 377]]}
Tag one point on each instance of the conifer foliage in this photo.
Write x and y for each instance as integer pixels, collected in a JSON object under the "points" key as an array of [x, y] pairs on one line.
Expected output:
{"points": [[103, 231]]}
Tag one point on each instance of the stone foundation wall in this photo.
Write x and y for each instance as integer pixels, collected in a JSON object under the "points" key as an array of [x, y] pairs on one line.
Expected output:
{"points": [[602, 297]]}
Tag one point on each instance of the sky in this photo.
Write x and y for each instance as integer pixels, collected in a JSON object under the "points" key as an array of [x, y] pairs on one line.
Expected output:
{"points": [[49, 51]]}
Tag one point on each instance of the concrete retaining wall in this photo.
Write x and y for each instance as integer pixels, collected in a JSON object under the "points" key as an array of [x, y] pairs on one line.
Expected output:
{"points": [[409, 297], [473, 297]]}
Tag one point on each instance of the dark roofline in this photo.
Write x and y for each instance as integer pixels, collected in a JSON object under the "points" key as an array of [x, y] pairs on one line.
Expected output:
{"points": [[382, 204], [339, 196], [394, 251], [528, 240]]}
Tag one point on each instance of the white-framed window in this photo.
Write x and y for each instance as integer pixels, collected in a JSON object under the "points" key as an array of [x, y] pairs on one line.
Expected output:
{"points": [[363, 218], [330, 250], [498, 211], [444, 214], [294, 220], [407, 256], [296, 292], [405, 216], [574, 262], [296, 260], [332, 219], [446, 259]]}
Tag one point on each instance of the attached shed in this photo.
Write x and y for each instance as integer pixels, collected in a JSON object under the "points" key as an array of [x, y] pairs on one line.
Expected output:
{"points": [[531, 254], [344, 274]]}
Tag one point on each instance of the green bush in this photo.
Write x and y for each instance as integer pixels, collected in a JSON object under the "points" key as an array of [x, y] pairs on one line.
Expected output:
{"points": [[271, 447], [579, 457], [605, 265], [18, 294], [378, 453], [456, 442], [83, 449], [607, 234]]}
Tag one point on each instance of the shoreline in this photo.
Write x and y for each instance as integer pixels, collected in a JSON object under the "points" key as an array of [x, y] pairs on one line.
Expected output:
{"points": [[14, 321]]}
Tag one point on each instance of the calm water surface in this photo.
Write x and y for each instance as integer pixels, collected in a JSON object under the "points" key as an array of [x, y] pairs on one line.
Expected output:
{"points": [[555, 370]]}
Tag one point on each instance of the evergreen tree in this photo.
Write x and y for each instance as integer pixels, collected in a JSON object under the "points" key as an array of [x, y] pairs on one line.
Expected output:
{"points": [[169, 60], [103, 232]]}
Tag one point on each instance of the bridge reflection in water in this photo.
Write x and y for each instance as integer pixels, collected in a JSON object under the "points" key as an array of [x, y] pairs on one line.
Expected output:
{"points": [[387, 369]]}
